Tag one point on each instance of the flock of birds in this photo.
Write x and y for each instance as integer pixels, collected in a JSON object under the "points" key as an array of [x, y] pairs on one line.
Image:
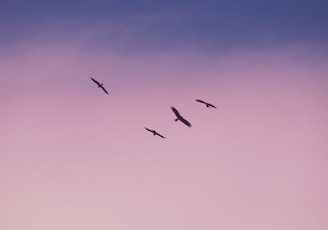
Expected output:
{"points": [[175, 111]]}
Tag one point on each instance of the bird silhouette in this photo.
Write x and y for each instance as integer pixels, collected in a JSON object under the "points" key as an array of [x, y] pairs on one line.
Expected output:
{"points": [[154, 132], [100, 85], [179, 117], [208, 105]]}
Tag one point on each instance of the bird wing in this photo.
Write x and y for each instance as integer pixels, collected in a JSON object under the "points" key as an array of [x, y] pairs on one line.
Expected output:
{"points": [[149, 129], [95, 81], [184, 121], [159, 135], [212, 106], [198, 100], [103, 88], [176, 112]]}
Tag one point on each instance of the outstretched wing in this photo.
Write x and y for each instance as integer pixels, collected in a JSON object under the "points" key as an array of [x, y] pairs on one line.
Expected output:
{"points": [[103, 88], [95, 81], [149, 129], [210, 105], [176, 112], [159, 135], [184, 121], [198, 100], [206, 103]]}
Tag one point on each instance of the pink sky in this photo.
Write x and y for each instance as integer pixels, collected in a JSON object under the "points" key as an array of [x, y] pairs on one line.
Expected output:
{"points": [[72, 157]]}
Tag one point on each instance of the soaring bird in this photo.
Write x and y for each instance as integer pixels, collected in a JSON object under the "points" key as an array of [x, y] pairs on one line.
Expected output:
{"points": [[179, 117], [100, 85], [208, 105], [154, 132]]}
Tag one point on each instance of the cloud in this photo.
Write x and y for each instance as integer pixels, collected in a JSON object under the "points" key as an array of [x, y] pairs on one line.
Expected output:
{"points": [[146, 25]]}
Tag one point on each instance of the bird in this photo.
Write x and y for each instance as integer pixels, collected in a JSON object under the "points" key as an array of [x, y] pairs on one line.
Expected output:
{"points": [[100, 85], [208, 105], [179, 117], [155, 133]]}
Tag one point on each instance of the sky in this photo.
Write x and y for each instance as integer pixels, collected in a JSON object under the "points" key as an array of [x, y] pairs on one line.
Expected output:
{"points": [[72, 157]]}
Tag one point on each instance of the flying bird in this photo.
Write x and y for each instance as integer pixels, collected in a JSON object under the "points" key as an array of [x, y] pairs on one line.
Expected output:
{"points": [[179, 117], [208, 105], [154, 132], [100, 85]]}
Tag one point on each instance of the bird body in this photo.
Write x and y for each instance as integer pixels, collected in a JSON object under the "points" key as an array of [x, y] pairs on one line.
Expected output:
{"points": [[154, 132], [179, 117], [100, 85], [208, 105]]}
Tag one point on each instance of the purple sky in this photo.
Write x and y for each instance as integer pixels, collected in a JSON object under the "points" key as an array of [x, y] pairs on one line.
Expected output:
{"points": [[72, 157]]}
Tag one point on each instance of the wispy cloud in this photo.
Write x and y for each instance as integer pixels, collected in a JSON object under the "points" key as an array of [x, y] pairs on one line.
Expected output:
{"points": [[164, 25]]}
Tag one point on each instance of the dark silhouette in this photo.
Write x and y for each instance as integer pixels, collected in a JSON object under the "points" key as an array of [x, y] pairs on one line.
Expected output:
{"points": [[179, 117], [154, 132], [208, 105], [100, 85]]}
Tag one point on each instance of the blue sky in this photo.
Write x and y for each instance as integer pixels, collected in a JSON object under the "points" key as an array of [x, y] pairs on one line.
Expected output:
{"points": [[165, 24]]}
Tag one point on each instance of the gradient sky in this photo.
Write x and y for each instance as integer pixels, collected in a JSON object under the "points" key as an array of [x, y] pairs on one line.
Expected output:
{"points": [[72, 157]]}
